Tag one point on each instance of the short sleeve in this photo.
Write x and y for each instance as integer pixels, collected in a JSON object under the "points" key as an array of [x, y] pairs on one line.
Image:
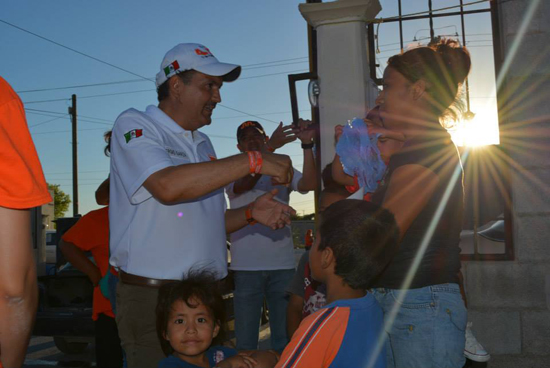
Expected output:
{"points": [[136, 153], [296, 286], [23, 184], [91, 231], [229, 190], [295, 179], [317, 340]]}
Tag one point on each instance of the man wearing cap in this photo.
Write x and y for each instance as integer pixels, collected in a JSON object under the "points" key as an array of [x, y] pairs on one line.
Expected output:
{"points": [[263, 259], [167, 208]]}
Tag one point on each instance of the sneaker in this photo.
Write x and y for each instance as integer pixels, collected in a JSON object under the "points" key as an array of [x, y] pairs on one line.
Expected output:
{"points": [[473, 349]]}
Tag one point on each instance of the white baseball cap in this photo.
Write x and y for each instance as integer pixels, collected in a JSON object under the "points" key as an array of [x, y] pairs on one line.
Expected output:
{"points": [[193, 56]]}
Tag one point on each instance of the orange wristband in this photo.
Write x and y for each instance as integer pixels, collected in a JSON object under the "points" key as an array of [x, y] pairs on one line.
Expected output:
{"points": [[259, 162], [252, 162]]}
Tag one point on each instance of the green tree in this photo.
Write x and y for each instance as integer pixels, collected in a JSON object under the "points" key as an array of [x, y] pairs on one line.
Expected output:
{"points": [[61, 200]]}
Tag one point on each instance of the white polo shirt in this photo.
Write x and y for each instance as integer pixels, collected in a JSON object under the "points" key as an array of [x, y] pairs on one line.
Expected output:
{"points": [[148, 238], [258, 247]]}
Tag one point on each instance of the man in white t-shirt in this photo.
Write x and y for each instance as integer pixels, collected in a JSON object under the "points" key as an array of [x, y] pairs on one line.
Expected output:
{"points": [[263, 259], [167, 208]]}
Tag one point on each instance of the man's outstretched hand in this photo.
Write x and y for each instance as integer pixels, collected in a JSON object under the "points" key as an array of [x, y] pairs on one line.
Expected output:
{"points": [[281, 136], [270, 212]]}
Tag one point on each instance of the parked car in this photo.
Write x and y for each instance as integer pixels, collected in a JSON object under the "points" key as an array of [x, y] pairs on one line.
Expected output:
{"points": [[65, 309], [65, 299], [51, 246]]}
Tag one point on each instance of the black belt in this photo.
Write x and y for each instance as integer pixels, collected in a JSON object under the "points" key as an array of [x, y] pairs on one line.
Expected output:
{"points": [[136, 280]]}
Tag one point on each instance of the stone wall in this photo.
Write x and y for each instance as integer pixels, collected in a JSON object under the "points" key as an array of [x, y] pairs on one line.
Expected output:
{"points": [[509, 301]]}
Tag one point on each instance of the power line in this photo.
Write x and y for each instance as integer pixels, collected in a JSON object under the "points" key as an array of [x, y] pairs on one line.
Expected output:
{"points": [[43, 101], [267, 75], [116, 94], [73, 50], [272, 66], [45, 122], [83, 86], [65, 131], [150, 90], [80, 172], [242, 112], [147, 80], [106, 63], [61, 115], [403, 17], [264, 114], [272, 62]]}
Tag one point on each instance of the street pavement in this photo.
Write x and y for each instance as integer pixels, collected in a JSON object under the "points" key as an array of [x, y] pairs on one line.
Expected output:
{"points": [[42, 353]]}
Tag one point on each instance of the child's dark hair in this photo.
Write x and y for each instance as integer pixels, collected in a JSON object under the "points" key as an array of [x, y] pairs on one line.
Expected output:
{"points": [[201, 285], [363, 237]]}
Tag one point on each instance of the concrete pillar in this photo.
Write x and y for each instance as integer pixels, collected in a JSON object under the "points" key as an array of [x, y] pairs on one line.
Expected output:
{"points": [[343, 67]]}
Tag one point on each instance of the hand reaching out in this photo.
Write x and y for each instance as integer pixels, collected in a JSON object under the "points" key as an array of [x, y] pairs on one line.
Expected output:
{"points": [[281, 136], [304, 131], [270, 212]]}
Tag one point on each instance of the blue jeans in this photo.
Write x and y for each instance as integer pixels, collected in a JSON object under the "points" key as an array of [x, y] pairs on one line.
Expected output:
{"points": [[250, 289], [428, 329]]}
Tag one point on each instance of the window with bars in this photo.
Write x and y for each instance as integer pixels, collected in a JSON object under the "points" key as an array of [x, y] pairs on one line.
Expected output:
{"points": [[487, 227]]}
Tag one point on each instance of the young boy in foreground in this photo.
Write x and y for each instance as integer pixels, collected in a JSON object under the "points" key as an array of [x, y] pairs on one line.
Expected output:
{"points": [[355, 242]]}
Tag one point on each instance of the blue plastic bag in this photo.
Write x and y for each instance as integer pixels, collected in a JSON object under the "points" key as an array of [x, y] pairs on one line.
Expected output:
{"points": [[359, 154]]}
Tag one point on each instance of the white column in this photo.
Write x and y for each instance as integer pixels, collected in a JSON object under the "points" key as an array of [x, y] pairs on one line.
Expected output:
{"points": [[346, 90]]}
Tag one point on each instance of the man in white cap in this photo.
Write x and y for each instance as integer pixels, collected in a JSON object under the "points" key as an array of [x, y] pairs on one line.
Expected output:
{"points": [[167, 207]]}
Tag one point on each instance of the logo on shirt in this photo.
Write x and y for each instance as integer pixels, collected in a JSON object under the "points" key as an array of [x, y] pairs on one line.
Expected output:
{"points": [[219, 356], [173, 152], [136, 133]]}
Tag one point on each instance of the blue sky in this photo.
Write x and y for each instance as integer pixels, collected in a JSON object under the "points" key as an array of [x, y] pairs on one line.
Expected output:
{"points": [[269, 38]]}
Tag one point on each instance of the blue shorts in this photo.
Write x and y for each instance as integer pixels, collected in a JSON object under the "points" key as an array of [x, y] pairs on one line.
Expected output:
{"points": [[428, 326]]}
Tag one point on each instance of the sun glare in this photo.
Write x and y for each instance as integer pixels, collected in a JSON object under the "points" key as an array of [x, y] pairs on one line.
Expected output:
{"points": [[481, 130]]}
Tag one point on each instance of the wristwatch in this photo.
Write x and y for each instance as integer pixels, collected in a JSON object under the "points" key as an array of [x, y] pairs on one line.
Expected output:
{"points": [[307, 145]]}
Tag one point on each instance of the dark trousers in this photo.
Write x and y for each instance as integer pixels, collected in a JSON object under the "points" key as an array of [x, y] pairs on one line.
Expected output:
{"points": [[108, 351]]}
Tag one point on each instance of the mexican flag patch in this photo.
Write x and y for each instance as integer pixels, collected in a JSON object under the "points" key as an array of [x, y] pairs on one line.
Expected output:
{"points": [[172, 67], [133, 134]]}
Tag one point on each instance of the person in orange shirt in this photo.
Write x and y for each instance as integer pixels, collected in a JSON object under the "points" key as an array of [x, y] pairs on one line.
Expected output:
{"points": [[22, 187], [91, 233]]}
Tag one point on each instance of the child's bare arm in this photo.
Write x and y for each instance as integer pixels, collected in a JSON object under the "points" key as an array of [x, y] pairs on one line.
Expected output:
{"points": [[238, 361], [338, 173], [265, 358]]}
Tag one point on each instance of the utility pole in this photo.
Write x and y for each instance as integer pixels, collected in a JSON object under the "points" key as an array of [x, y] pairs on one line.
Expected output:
{"points": [[72, 112]]}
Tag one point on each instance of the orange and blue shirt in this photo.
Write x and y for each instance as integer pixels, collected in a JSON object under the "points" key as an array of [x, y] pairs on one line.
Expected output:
{"points": [[345, 333]]}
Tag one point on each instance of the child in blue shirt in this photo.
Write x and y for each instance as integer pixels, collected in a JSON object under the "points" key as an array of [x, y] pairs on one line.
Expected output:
{"points": [[191, 325]]}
